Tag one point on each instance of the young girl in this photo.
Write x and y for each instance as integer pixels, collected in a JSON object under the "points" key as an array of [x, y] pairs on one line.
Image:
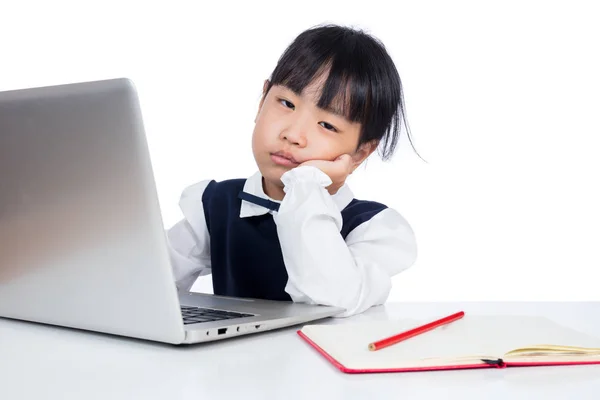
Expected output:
{"points": [[293, 230]]}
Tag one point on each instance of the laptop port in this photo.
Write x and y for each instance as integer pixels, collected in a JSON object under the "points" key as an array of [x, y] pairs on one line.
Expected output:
{"points": [[222, 331], [257, 326]]}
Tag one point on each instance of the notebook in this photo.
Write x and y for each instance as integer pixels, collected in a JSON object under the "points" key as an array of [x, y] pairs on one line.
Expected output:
{"points": [[472, 342]]}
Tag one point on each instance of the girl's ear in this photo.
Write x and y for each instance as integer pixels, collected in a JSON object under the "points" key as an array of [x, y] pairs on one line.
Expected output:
{"points": [[363, 152], [262, 100]]}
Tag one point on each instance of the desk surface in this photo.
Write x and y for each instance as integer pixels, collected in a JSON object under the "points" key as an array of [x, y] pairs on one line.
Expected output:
{"points": [[39, 361]]}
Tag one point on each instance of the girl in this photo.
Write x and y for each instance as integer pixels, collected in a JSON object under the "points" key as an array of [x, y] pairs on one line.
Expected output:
{"points": [[293, 230]]}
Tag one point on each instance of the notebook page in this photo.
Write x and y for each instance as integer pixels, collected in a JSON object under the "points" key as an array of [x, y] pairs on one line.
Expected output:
{"points": [[469, 339]]}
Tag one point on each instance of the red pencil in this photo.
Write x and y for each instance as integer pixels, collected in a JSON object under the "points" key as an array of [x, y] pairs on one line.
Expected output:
{"points": [[414, 332]]}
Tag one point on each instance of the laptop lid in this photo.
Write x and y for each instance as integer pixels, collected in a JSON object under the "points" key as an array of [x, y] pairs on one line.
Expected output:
{"points": [[81, 236]]}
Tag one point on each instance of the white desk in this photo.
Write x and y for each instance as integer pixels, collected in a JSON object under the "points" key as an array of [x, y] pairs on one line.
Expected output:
{"points": [[54, 363]]}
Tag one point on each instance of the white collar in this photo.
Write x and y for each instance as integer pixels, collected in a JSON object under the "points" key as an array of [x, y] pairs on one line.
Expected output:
{"points": [[254, 186]]}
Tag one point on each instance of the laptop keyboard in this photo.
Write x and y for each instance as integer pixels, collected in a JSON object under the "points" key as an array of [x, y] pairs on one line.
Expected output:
{"points": [[195, 315]]}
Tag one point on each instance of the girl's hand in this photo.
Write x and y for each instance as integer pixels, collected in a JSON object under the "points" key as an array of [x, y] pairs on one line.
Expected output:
{"points": [[337, 170]]}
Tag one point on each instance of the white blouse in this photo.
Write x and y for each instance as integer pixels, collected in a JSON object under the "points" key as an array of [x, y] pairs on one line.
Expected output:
{"points": [[322, 267]]}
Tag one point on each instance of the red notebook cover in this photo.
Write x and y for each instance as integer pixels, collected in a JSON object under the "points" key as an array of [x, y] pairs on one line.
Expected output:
{"points": [[483, 363]]}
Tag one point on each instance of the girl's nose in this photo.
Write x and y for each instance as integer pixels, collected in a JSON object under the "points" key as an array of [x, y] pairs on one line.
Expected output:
{"points": [[296, 134], [295, 138]]}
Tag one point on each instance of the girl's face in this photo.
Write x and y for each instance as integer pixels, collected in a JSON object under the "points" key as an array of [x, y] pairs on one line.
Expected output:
{"points": [[290, 129]]}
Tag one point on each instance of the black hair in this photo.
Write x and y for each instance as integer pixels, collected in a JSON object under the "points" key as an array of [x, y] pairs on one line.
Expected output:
{"points": [[362, 81]]}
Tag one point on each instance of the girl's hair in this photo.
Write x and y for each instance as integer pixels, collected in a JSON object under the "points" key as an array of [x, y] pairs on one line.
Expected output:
{"points": [[362, 81]]}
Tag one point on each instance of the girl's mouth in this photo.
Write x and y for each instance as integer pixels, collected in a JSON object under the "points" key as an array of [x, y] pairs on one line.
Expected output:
{"points": [[284, 159]]}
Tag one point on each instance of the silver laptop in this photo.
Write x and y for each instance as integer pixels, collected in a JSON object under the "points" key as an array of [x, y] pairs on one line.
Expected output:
{"points": [[82, 242]]}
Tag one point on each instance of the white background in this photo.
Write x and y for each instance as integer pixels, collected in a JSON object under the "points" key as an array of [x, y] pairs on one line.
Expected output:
{"points": [[502, 100]]}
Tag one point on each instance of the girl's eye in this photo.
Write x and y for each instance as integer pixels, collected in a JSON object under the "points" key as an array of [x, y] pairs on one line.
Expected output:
{"points": [[287, 104], [328, 126]]}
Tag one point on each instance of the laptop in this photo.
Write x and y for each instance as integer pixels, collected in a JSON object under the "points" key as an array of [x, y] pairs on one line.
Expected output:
{"points": [[82, 241]]}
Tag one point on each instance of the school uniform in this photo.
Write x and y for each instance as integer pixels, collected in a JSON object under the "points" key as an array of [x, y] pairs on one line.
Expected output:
{"points": [[312, 247]]}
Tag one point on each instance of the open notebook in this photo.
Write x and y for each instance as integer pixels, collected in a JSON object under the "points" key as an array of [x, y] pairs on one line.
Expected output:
{"points": [[471, 342]]}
